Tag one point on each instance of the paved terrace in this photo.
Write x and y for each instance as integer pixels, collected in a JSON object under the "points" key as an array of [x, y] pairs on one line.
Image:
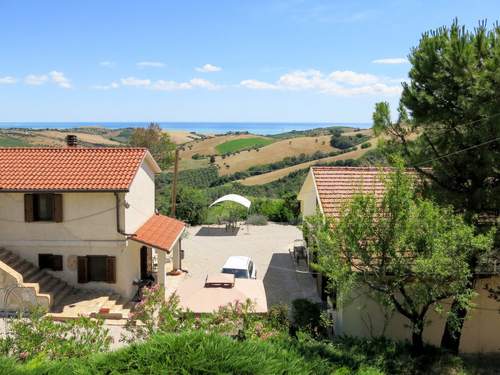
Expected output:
{"points": [[207, 248]]}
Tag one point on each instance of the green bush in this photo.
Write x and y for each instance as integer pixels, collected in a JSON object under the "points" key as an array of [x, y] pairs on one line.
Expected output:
{"points": [[307, 316], [36, 335], [257, 219], [366, 145]]}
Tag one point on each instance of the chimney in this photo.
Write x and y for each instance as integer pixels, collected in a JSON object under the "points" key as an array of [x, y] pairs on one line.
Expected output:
{"points": [[71, 140]]}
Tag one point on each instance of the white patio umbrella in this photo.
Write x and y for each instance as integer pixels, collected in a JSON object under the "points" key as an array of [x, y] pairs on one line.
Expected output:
{"points": [[233, 198]]}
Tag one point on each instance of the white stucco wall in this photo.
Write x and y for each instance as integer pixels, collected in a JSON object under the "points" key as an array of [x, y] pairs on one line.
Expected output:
{"points": [[140, 198], [364, 317], [307, 197]]}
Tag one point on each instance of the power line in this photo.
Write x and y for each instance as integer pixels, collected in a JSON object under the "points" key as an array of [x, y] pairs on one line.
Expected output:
{"points": [[458, 152]]}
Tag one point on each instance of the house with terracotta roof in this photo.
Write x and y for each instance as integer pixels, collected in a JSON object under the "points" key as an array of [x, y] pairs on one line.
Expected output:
{"points": [[325, 191], [81, 219]]}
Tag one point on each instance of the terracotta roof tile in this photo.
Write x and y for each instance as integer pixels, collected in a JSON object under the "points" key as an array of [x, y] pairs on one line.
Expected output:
{"points": [[69, 169], [159, 232], [336, 185]]}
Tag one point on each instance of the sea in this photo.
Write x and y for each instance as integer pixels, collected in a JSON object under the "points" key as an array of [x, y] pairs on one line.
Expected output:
{"points": [[198, 127]]}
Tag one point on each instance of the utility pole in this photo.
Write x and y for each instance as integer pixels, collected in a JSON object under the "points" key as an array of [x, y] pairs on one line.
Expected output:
{"points": [[174, 183]]}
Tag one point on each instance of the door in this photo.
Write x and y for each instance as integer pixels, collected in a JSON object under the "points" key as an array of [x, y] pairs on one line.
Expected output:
{"points": [[146, 262]]}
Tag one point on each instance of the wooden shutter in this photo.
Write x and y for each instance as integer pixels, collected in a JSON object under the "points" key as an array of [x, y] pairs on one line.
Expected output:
{"points": [[83, 273], [29, 215], [58, 208], [57, 262], [111, 270]]}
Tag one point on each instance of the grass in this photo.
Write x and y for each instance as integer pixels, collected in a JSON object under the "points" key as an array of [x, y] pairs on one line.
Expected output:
{"points": [[200, 353], [242, 144]]}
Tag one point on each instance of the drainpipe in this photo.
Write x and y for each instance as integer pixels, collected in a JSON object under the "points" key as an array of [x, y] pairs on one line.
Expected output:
{"points": [[118, 225]]}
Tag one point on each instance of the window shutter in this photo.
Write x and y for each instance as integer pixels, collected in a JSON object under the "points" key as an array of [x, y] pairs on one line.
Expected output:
{"points": [[111, 270], [28, 208], [57, 263], [83, 274], [58, 208]]}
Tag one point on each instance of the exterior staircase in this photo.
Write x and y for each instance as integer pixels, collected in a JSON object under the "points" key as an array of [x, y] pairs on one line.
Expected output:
{"points": [[64, 300]]}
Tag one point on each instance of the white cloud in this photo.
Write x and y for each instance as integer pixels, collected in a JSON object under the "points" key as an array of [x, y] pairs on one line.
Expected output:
{"points": [[208, 68], [132, 81], [150, 64], [344, 83], [35, 80], [112, 85], [107, 64], [7, 80], [163, 85], [257, 85], [168, 85], [391, 61], [60, 79], [203, 83]]}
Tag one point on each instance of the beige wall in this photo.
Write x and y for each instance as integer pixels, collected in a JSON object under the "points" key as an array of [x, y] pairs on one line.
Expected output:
{"points": [[140, 199], [307, 197], [86, 217], [362, 316]]}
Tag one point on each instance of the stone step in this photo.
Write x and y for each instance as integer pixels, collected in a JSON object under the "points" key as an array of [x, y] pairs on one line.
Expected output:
{"points": [[4, 253], [61, 295], [25, 267], [30, 273], [49, 284]]}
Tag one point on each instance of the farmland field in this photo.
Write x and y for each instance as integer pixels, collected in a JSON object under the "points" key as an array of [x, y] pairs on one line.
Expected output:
{"points": [[242, 144], [275, 175], [274, 152]]}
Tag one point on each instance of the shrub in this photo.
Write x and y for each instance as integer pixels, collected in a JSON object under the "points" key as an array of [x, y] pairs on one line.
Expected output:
{"points": [[342, 142], [307, 316], [257, 219], [366, 145], [197, 156], [37, 335]]}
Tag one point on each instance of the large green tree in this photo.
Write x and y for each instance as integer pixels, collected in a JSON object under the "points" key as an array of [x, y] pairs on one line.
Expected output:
{"points": [[453, 96], [408, 252], [157, 141]]}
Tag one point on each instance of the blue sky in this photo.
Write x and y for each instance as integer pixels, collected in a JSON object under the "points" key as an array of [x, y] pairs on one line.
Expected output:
{"points": [[275, 60]]}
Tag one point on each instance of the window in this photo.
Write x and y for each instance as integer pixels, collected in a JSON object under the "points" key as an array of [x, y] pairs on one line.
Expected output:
{"points": [[50, 261], [43, 207], [97, 268]]}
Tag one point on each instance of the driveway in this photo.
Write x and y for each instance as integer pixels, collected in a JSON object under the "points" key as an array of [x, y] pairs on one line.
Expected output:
{"points": [[207, 248]]}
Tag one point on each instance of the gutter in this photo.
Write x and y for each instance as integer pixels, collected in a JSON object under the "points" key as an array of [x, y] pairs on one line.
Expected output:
{"points": [[118, 224]]}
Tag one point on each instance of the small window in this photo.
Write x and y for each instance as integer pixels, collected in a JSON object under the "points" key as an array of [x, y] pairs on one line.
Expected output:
{"points": [[50, 261], [43, 207], [96, 268]]}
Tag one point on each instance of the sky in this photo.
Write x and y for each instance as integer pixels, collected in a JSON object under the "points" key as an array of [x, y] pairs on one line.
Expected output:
{"points": [[214, 61]]}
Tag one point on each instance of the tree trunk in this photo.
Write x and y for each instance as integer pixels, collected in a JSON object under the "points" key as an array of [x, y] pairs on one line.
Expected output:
{"points": [[417, 336], [453, 332]]}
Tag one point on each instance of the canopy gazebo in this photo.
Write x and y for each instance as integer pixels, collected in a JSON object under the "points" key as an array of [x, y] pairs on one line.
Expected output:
{"points": [[236, 199]]}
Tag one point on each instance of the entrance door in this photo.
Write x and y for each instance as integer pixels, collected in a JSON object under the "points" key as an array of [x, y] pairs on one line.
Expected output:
{"points": [[146, 262]]}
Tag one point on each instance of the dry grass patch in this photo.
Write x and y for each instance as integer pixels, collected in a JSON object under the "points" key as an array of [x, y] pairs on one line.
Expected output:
{"points": [[276, 175]]}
